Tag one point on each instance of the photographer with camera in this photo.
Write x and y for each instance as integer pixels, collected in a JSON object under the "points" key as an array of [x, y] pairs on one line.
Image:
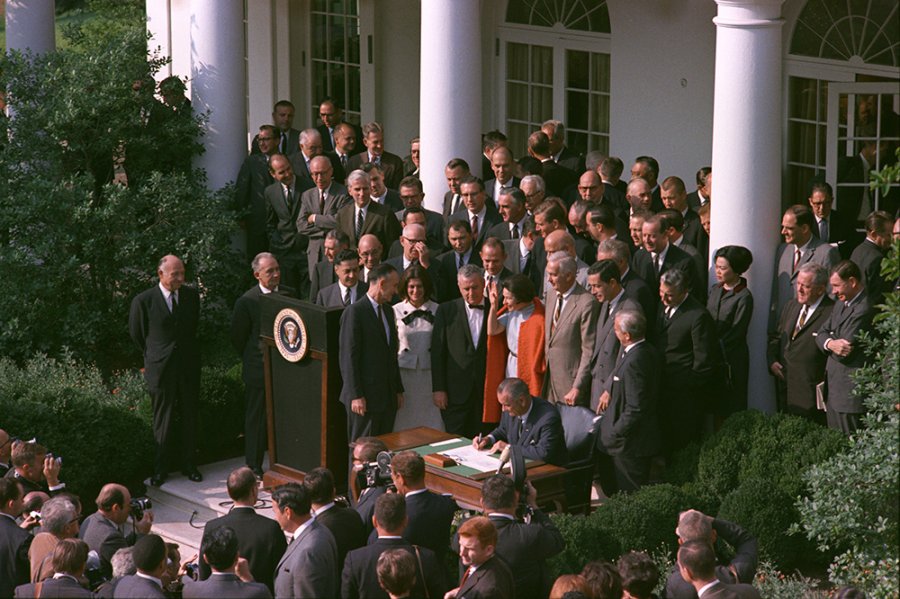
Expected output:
{"points": [[230, 573], [102, 530], [365, 483], [36, 469], [59, 520]]}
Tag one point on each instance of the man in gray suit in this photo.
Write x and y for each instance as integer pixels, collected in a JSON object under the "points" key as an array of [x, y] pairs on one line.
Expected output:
{"points": [[570, 329], [348, 287], [800, 247], [319, 207], [68, 561], [309, 566], [230, 576], [102, 529], [151, 560], [838, 337]]}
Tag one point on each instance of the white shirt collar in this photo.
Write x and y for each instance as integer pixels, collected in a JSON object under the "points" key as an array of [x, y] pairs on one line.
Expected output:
{"points": [[264, 290], [523, 251], [323, 509], [302, 527], [630, 345], [416, 492], [702, 590], [148, 577], [166, 293], [504, 516]]}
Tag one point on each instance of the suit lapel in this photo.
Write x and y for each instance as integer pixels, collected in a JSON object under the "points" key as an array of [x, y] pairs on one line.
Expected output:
{"points": [[464, 316]]}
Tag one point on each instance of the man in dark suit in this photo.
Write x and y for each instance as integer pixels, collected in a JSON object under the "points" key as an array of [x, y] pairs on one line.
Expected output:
{"points": [[486, 575], [251, 183], [696, 527], [245, 340], [831, 226], [389, 198], [332, 116], [390, 164], [629, 429], [35, 469], [604, 283], [674, 197], [793, 357], [490, 141], [14, 540], [455, 171], [658, 257], [220, 549], [610, 171], [363, 496], [286, 137], [703, 193], [411, 162], [493, 257], [458, 354], [150, 558], [511, 205], [372, 390], [359, 577], [308, 567], [429, 515], [520, 258], [282, 210], [310, 147], [163, 324], [869, 254], [344, 523], [68, 559], [673, 226], [413, 241], [686, 337], [502, 165], [527, 422], [348, 288], [412, 196], [346, 146], [102, 529], [364, 216], [480, 214], [461, 253], [838, 338], [562, 155], [323, 274], [259, 539], [557, 177], [647, 168], [697, 566], [319, 206]]}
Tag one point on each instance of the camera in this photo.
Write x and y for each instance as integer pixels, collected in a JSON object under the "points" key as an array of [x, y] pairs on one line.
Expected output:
{"points": [[54, 457], [35, 515], [192, 570], [378, 473], [139, 505]]}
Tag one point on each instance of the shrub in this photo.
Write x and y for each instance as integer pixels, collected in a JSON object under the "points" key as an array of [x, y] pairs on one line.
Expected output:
{"points": [[774, 584], [719, 465], [585, 541]]}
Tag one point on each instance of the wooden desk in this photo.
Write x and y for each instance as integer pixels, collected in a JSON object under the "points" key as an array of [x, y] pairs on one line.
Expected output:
{"points": [[548, 480]]}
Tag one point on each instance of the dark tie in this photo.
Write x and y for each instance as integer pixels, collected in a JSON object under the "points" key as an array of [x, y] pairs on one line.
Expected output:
{"points": [[656, 263], [797, 256], [174, 304], [360, 220], [283, 143], [383, 324], [514, 231], [346, 299], [558, 310], [344, 161], [608, 311], [823, 229], [669, 312], [521, 427], [454, 205], [475, 227], [801, 321], [460, 261], [526, 270], [322, 202]]}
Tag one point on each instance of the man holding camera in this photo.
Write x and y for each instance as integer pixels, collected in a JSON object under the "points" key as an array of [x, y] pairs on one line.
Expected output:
{"points": [[365, 451], [230, 574], [36, 469], [102, 530]]}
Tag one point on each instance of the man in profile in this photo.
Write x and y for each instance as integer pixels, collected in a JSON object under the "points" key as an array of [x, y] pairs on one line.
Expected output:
{"points": [[486, 575], [68, 561], [102, 530], [163, 324], [230, 578], [697, 565]]}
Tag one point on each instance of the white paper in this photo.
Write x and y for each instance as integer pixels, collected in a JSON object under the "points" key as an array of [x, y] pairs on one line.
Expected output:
{"points": [[447, 442], [473, 458]]}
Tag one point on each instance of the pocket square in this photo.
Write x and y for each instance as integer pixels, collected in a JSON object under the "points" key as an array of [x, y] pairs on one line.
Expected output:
{"points": [[615, 378]]}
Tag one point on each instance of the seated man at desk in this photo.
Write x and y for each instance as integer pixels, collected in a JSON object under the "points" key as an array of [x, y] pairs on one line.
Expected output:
{"points": [[528, 422]]}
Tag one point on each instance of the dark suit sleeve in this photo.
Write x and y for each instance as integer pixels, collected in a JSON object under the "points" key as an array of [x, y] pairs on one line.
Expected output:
{"points": [[240, 325], [738, 329], [549, 540], [745, 547], [551, 442], [438, 349], [138, 323], [349, 588], [205, 570], [704, 337], [637, 395], [351, 350]]}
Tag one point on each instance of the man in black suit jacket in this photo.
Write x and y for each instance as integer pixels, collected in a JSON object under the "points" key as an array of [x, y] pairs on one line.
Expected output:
{"points": [[869, 254], [348, 288], [389, 198], [323, 274], [831, 226], [486, 575], [412, 196], [220, 549], [461, 253], [260, 540], [502, 166], [390, 164], [793, 357], [658, 256], [249, 189], [332, 116], [697, 566], [559, 151], [372, 390], [674, 197], [34, 468], [455, 171], [647, 168], [528, 422], [458, 354], [311, 147], [481, 215], [245, 340], [416, 252], [359, 578], [617, 251], [686, 337], [343, 522], [287, 139], [163, 324], [151, 561], [701, 195], [102, 529], [362, 496], [282, 211], [14, 541], [556, 177], [364, 216]]}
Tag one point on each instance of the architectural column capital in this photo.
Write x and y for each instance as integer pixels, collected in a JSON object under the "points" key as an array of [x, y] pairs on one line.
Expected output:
{"points": [[748, 13]]}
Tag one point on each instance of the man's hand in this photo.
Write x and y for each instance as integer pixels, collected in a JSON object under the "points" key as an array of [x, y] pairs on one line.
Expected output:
{"points": [[530, 494], [777, 369], [311, 219], [51, 471], [358, 406], [399, 400], [424, 254], [242, 570], [440, 399], [143, 525], [840, 347], [29, 522], [571, 396], [481, 442], [499, 446], [493, 294], [451, 594], [603, 402]]}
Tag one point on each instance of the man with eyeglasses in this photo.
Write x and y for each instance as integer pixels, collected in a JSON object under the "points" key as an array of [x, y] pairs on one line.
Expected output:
{"points": [[286, 137], [249, 190], [332, 115], [319, 207]]}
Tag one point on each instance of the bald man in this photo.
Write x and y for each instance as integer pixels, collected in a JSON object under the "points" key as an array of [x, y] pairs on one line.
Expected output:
{"points": [[163, 324]]}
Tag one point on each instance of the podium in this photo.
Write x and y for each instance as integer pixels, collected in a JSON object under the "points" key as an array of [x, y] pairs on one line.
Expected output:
{"points": [[307, 423]]}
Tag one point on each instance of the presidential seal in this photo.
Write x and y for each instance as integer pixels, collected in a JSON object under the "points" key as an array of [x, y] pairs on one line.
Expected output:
{"points": [[290, 335]]}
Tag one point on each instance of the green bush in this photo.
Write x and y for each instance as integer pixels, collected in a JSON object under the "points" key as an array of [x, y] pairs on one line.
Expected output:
{"points": [[719, 465], [682, 468], [774, 584], [585, 541]]}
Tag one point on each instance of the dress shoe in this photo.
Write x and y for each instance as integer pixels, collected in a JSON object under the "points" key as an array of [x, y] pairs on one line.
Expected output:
{"points": [[193, 474], [157, 480], [258, 472]]}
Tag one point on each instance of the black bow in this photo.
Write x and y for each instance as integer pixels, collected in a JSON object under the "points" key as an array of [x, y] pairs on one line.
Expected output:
{"points": [[424, 314], [476, 306]]}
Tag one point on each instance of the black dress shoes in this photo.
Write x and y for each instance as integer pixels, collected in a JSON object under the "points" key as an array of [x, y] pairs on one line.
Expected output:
{"points": [[157, 480], [193, 474]]}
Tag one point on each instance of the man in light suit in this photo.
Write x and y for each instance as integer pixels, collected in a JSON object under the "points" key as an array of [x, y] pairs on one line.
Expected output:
{"points": [[319, 207], [309, 565], [570, 330], [800, 247], [282, 210], [364, 216], [259, 539], [163, 324], [458, 354], [629, 429], [486, 575], [481, 215], [230, 573], [102, 529], [793, 357], [68, 559], [390, 164], [348, 287], [527, 422], [372, 390], [605, 285], [839, 340], [502, 164], [151, 561]]}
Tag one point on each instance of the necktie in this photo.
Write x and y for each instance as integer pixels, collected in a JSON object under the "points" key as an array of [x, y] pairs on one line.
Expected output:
{"points": [[360, 220], [797, 256], [465, 576], [475, 227], [526, 267], [656, 263], [608, 310], [514, 230], [669, 311], [174, 304], [289, 199], [800, 322], [321, 202], [460, 261], [823, 229], [377, 160], [454, 203], [558, 310], [521, 427], [344, 161], [346, 299], [282, 145]]}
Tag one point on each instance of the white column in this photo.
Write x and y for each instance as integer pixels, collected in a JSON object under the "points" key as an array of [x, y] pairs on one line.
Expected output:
{"points": [[30, 25], [450, 91], [159, 25], [218, 78], [746, 158]]}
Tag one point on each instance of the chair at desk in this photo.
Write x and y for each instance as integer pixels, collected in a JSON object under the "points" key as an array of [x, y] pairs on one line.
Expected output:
{"points": [[578, 426]]}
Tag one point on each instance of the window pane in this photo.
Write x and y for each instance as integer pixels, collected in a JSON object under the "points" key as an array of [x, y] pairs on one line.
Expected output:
{"points": [[577, 141], [518, 136], [577, 110], [319, 89], [599, 112], [319, 36], [318, 5], [802, 143], [336, 84], [600, 143], [600, 72], [542, 64], [337, 38], [798, 180], [803, 98], [353, 93], [517, 101], [517, 62], [541, 104], [577, 69]]}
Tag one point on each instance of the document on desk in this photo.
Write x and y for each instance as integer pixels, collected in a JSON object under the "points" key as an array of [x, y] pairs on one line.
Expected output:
{"points": [[473, 458]]}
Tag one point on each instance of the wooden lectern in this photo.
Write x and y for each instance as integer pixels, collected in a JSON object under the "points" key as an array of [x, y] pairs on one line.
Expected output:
{"points": [[307, 422]]}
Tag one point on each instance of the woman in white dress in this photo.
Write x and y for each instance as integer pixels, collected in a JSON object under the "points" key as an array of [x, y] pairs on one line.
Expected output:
{"points": [[415, 321]]}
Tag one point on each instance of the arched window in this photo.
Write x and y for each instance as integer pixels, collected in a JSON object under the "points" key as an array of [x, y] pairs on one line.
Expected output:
{"points": [[577, 15], [869, 34]]}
